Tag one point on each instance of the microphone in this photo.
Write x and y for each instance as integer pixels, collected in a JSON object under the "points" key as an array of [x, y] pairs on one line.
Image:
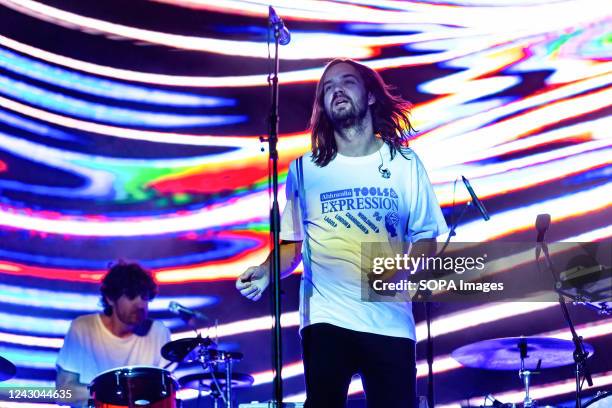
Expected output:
{"points": [[542, 224], [284, 36], [185, 313], [476, 200]]}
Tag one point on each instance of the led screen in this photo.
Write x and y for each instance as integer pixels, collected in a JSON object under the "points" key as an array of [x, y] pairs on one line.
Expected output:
{"points": [[132, 130]]}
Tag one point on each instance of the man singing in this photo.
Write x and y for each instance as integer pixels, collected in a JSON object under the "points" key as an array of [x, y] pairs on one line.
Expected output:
{"points": [[359, 184], [120, 336]]}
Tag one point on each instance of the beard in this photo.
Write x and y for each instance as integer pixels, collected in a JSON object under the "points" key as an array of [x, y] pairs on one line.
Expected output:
{"points": [[132, 317], [349, 116]]}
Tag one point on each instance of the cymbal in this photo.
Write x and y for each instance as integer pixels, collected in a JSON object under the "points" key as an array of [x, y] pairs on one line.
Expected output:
{"points": [[7, 369], [178, 350], [504, 353], [204, 381]]}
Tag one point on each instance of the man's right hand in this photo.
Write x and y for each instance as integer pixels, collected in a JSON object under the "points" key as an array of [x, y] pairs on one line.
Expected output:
{"points": [[253, 282], [77, 394]]}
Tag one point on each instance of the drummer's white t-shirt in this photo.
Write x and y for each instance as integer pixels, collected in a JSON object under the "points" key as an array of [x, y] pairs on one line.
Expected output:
{"points": [[347, 203], [90, 348]]}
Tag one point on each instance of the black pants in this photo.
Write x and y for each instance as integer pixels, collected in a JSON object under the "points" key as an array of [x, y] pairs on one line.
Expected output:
{"points": [[332, 355]]}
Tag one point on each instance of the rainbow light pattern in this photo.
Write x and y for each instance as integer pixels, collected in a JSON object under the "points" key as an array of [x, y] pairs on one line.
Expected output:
{"points": [[131, 130]]}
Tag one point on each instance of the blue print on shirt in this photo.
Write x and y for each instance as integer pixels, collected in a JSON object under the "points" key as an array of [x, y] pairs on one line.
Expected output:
{"points": [[391, 221], [349, 207]]}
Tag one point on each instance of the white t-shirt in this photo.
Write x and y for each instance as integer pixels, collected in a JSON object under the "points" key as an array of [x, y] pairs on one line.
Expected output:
{"points": [[349, 202], [90, 348]]}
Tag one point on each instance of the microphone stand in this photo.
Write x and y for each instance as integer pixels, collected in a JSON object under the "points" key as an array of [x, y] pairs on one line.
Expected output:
{"points": [[580, 354], [430, 357], [430, 343], [272, 141]]}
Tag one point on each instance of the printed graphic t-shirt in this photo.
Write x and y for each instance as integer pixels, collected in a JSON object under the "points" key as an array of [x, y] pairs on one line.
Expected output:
{"points": [[348, 202], [90, 348]]}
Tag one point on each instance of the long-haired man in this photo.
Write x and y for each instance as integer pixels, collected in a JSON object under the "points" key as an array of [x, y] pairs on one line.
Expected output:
{"points": [[361, 183]]}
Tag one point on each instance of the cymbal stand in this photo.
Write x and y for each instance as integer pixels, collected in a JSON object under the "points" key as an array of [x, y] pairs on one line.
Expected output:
{"points": [[216, 391], [228, 378], [525, 375]]}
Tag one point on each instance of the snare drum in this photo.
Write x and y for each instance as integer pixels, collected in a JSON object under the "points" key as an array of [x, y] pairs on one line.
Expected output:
{"points": [[603, 399], [135, 386]]}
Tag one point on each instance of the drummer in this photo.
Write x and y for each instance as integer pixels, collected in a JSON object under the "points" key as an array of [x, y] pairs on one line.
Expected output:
{"points": [[122, 335]]}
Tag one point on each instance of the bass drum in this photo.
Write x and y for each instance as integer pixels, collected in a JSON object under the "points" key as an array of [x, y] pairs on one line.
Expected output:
{"points": [[603, 399], [135, 386]]}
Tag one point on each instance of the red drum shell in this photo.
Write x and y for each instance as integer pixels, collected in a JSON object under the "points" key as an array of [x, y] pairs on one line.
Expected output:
{"points": [[135, 386]]}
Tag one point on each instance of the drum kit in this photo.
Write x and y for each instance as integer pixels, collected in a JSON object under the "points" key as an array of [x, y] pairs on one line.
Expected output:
{"points": [[153, 387], [527, 356]]}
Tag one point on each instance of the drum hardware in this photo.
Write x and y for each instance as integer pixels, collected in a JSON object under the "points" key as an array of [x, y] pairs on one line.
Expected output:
{"points": [[7, 369], [519, 353], [119, 391], [525, 374], [188, 349], [271, 404], [228, 381], [164, 389], [193, 381], [217, 392], [217, 376], [216, 383], [588, 286], [222, 381]]}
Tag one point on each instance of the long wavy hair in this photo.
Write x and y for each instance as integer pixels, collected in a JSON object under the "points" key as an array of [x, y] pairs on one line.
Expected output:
{"points": [[390, 115]]}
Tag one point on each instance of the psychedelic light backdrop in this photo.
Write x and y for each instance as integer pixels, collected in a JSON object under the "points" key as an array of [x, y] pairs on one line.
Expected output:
{"points": [[131, 130]]}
